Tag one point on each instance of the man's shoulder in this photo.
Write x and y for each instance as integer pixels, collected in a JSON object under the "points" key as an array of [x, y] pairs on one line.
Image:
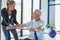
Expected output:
{"points": [[41, 21], [31, 21]]}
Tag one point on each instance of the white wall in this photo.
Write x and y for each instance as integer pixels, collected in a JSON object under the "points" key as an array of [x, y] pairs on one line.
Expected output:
{"points": [[3, 5], [57, 15]]}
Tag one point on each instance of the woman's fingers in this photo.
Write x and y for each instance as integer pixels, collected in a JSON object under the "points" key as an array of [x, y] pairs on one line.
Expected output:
{"points": [[10, 27], [7, 28]]}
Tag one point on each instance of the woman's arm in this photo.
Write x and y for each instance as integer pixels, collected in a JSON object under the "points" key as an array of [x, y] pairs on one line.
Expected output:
{"points": [[3, 14], [20, 25], [15, 12], [15, 26]]}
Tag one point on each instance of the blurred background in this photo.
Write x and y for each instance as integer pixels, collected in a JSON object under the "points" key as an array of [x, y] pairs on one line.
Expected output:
{"points": [[25, 8]]}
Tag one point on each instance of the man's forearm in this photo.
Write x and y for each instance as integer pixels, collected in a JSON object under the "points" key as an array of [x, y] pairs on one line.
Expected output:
{"points": [[39, 28]]}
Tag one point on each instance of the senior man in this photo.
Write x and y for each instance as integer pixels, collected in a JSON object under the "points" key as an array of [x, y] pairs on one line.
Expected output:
{"points": [[36, 26]]}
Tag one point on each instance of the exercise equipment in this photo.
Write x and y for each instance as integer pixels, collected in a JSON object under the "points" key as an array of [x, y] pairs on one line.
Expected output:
{"points": [[52, 33]]}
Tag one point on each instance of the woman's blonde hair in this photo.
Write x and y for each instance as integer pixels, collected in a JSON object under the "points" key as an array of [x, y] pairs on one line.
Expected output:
{"points": [[10, 2]]}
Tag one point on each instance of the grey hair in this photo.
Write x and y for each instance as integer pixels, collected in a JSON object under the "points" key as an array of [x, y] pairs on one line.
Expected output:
{"points": [[39, 12]]}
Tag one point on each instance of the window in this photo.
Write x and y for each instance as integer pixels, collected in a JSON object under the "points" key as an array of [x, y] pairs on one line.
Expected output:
{"points": [[35, 5], [18, 8], [54, 13], [26, 11], [26, 14]]}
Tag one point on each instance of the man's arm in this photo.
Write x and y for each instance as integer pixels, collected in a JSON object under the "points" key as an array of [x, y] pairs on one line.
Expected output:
{"points": [[36, 29], [32, 29], [39, 28]]}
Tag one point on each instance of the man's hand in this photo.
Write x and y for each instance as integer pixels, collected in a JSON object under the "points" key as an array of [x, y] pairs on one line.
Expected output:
{"points": [[32, 29], [17, 26], [39, 28]]}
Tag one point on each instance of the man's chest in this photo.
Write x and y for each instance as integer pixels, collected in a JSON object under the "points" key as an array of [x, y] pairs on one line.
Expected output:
{"points": [[35, 24]]}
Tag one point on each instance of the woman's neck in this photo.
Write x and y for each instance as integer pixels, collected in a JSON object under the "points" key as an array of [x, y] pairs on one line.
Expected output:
{"points": [[9, 12]]}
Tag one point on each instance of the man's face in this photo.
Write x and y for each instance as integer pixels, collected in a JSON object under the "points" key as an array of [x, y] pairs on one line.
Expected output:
{"points": [[35, 15]]}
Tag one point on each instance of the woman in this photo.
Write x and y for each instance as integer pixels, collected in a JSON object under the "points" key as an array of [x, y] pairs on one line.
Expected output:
{"points": [[9, 18]]}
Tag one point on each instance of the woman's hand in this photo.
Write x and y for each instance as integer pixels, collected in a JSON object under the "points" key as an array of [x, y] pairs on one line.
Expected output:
{"points": [[20, 25], [7, 28], [10, 27]]}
